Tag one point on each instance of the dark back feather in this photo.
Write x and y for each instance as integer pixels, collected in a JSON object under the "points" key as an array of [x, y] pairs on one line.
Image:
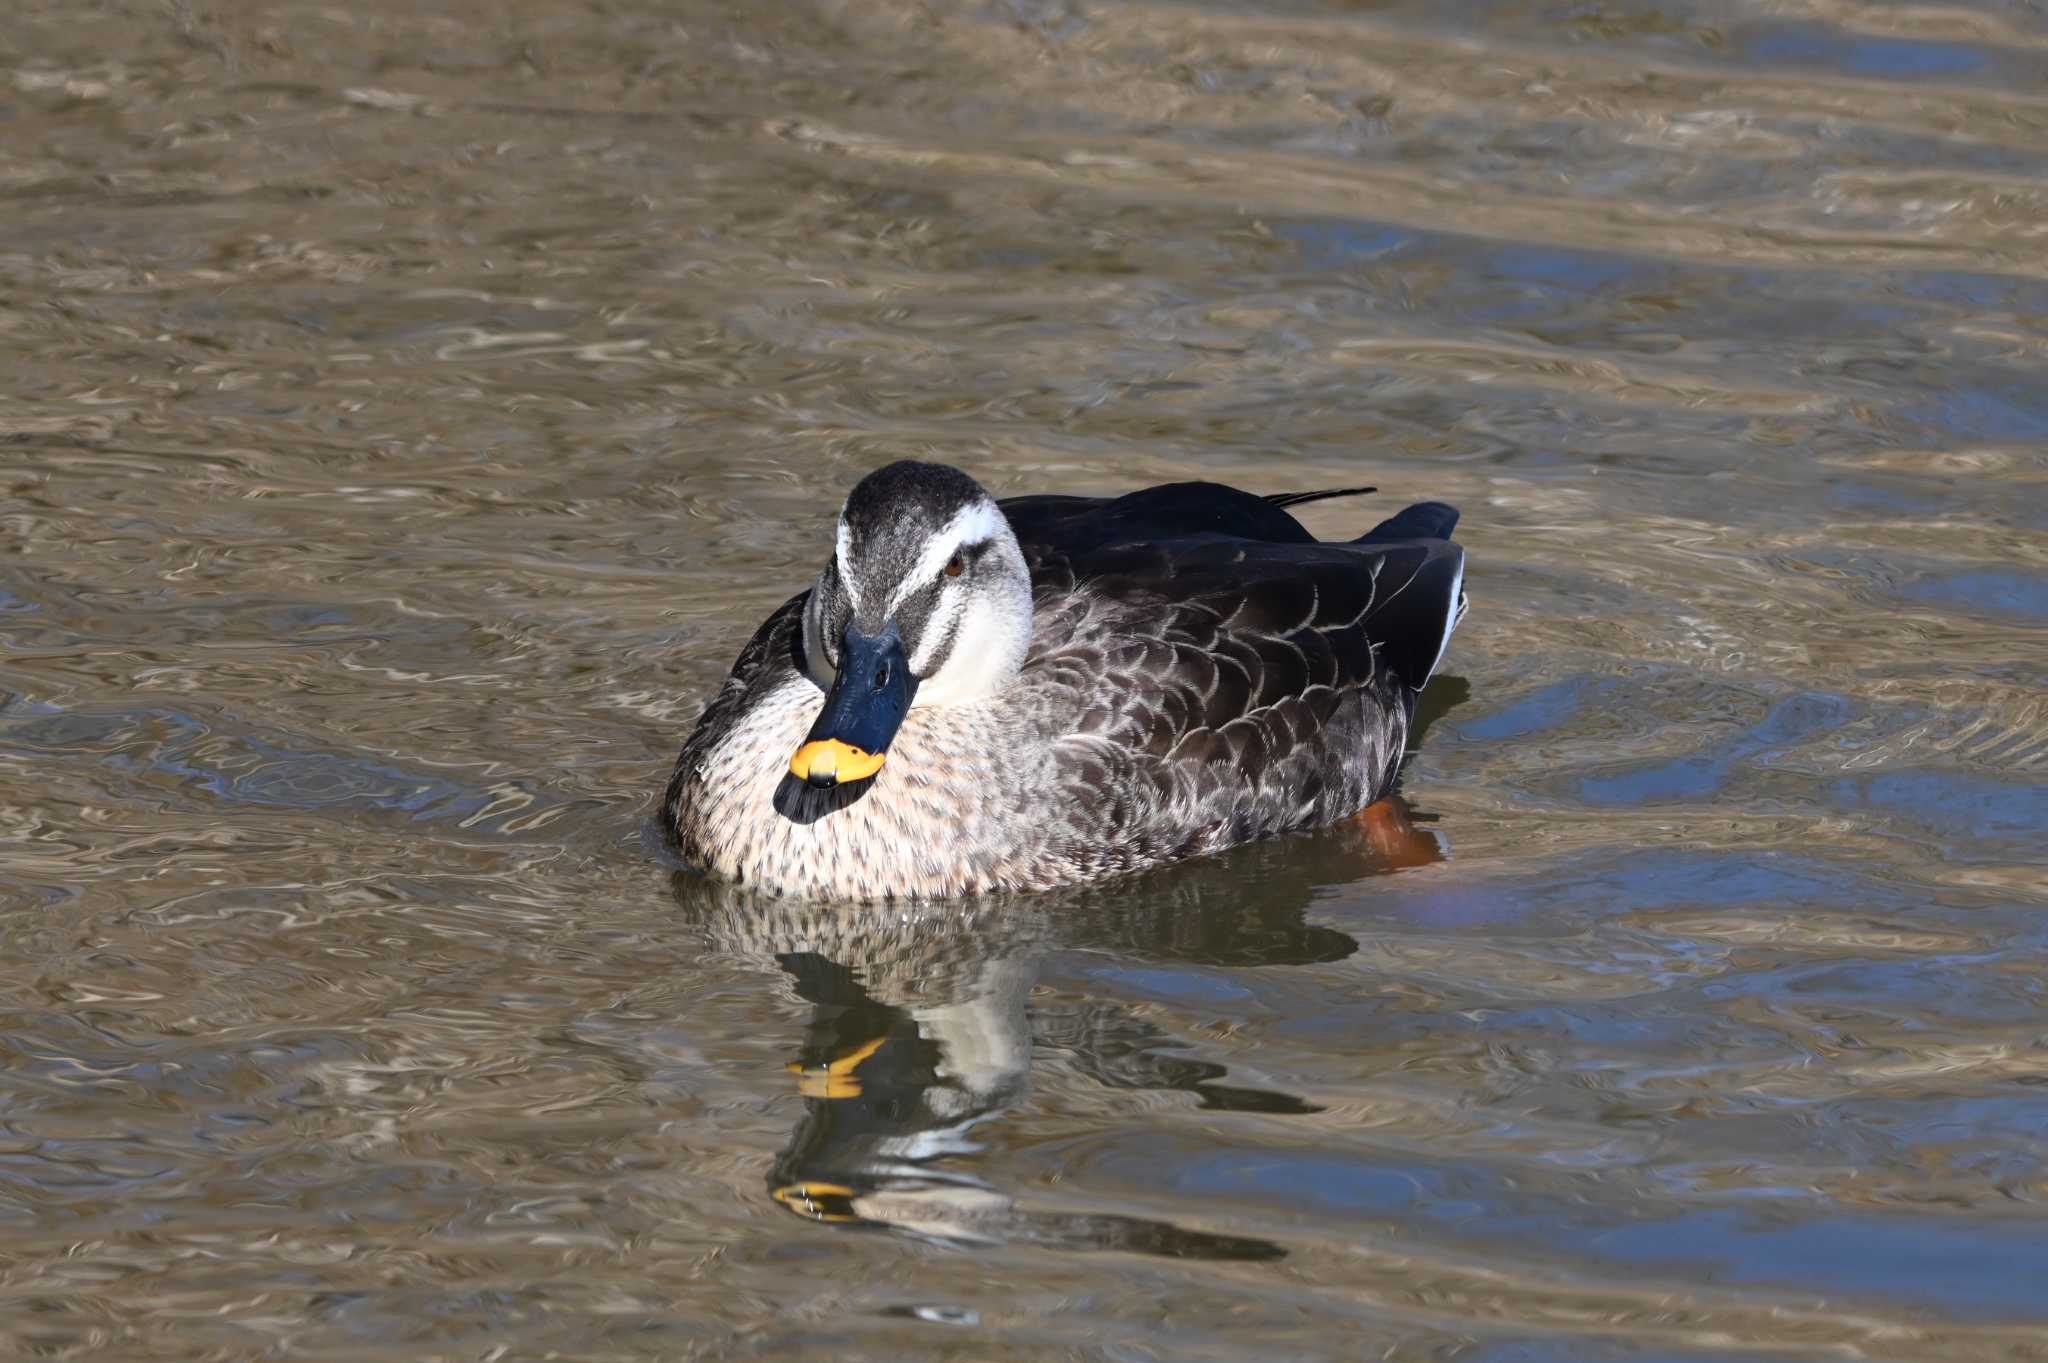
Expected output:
{"points": [[1393, 594]]}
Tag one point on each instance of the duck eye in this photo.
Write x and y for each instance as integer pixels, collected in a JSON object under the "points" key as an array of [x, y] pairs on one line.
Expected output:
{"points": [[954, 565]]}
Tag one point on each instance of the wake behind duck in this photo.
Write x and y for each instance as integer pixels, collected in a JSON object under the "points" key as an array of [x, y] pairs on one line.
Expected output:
{"points": [[978, 695]]}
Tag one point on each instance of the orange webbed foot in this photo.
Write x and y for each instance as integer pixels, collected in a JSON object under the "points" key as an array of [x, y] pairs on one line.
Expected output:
{"points": [[1393, 839]]}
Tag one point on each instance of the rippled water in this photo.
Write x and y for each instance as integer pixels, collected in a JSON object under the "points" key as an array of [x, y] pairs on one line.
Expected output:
{"points": [[409, 409]]}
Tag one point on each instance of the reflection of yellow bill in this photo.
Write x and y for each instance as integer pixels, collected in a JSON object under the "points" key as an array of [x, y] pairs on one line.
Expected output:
{"points": [[835, 1079], [827, 759], [807, 1199]]}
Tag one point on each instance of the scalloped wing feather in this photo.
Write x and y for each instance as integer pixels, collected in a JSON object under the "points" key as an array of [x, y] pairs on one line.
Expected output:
{"points": [[1253, 684]]}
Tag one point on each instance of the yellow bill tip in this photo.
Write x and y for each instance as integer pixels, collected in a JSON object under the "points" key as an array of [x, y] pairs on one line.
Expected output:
{"points": [[829, 762], [835, 1078], [818, 1201]]}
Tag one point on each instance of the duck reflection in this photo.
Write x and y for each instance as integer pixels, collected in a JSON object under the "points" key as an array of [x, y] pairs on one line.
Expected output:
{"points": [[921, 1030], [892, 1091]]}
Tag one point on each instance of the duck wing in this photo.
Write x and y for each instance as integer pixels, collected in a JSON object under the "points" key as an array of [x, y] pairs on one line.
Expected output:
{"points": [[1237, 640], [1385, 602], [1287, 617]]}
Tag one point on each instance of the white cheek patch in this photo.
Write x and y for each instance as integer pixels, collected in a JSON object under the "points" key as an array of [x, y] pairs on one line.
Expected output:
{"points": [[990, 637]]}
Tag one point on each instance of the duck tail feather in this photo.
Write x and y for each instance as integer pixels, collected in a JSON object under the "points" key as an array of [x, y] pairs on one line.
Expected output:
{"points": [[1422, 521], [1287, 499], [1415, 625]]}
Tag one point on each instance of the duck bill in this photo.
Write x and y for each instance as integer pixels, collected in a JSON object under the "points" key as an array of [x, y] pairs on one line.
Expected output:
{"points": [[869, 698]]}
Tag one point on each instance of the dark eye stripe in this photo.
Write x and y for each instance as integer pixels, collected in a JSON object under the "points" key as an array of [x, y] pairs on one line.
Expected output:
{"points": [[944, 651]]}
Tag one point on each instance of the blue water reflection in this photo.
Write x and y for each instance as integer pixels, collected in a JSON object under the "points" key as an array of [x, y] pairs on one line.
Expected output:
{"points": [[1897, 58], [1980, 1267], [1929, 1260], [1993, 591]]}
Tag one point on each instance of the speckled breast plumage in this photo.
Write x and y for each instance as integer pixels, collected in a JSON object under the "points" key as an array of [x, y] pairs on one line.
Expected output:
{"points": [[941, 819]]}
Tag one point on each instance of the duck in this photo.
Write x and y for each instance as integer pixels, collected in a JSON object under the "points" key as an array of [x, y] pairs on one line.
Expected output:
{"points": [[980, 696]]}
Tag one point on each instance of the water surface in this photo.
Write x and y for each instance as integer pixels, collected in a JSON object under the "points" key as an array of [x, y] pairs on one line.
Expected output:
{"points": [[411, 409]]}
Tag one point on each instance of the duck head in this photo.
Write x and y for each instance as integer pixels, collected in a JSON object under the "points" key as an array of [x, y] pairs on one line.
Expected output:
{"points": [[926, 601]]}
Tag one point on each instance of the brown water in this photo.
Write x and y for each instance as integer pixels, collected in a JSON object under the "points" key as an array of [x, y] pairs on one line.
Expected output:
{"points": [[410, 408]]}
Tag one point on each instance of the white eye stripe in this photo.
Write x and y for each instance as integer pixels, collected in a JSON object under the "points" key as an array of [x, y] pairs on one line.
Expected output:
{"points": [[971, 524], [842, 551]]}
